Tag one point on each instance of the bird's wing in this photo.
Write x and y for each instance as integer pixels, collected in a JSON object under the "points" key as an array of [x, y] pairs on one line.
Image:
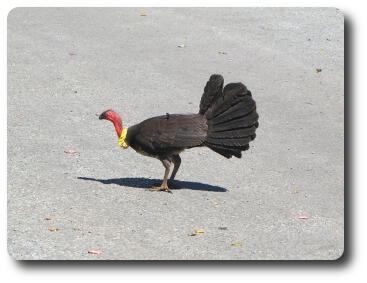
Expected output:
{"points": [[172, 131]]}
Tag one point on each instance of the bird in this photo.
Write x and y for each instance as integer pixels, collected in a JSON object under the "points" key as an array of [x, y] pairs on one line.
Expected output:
{"points": [[226, 123]]}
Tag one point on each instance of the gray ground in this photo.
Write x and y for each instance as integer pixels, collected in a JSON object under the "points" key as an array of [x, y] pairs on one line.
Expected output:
{"points": [[68, 65]]}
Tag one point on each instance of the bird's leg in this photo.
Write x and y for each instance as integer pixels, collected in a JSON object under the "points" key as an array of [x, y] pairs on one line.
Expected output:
{"points": [[176, 159], [164, 187]]}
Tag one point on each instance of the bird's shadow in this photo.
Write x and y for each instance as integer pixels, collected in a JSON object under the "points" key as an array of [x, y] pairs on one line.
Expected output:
{"points": [[146, 183]]}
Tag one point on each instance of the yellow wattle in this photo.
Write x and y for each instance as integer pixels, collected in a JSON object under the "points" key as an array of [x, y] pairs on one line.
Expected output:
{"points": [[122, 138]]}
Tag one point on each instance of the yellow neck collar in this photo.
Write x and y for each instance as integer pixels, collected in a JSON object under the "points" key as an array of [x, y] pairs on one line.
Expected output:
{"points": [[122, 138]]}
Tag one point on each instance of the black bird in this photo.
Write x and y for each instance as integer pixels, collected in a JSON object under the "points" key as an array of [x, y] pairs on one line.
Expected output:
{"points": [[226, 123]]}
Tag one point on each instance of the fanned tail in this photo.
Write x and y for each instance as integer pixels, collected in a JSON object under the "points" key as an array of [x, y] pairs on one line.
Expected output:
{"points": [[231, 116]]}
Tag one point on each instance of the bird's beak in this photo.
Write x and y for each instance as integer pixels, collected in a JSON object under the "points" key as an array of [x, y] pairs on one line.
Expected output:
{"points": [[102, 116]]}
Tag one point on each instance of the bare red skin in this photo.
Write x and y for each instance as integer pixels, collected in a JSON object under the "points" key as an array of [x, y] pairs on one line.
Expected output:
{"points": [[116, 120]]}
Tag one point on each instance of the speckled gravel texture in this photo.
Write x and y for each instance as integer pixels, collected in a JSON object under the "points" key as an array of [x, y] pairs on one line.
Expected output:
{"points": [[67, 65]]}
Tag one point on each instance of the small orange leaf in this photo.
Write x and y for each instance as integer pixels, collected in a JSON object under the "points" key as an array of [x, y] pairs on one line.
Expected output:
{"points": [[54, 229], [95, 252]]}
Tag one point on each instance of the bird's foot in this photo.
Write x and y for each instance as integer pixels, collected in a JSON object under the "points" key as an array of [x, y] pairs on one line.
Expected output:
{"points": [[160, 189]]}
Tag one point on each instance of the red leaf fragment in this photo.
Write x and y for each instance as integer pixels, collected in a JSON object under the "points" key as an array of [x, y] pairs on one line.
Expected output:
{"points": [[303, 217], [70, 151], [46, 218], [95, 252]]}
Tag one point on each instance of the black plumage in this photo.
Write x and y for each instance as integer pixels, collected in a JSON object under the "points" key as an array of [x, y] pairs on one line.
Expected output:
{"points": [[161, 137], [226, 123], [232, 121]]}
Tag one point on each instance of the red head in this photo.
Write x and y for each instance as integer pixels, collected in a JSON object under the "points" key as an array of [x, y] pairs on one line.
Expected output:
{"points": [[114, 118]]}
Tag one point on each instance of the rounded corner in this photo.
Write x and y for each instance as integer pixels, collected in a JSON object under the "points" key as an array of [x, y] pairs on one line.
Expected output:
{"points": [[10, 254], [12, 11], [340, 12], [341, 257]]}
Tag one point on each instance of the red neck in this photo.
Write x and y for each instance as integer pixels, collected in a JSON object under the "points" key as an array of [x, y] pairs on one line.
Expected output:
{"points": [[117, 122]]}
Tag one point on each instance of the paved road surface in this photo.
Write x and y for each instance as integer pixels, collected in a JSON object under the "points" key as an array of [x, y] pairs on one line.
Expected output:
{"points": [[66, 66]]}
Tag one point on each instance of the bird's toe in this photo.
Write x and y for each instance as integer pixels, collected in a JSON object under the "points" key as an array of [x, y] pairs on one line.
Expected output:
{"points": [[160, 189]]}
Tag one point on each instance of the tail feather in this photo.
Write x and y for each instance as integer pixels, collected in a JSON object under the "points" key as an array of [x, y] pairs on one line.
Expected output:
{"points": [[233, 93], [231, 117], [212, 91], [232, 142], [237, 133], [226, 152], [237, 123], [240, 109]]}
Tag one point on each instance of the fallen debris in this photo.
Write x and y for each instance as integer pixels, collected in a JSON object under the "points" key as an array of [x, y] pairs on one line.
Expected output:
{"points": [[54, 229], [197, 232], [303, 217], [95, 252], [70, 151]]}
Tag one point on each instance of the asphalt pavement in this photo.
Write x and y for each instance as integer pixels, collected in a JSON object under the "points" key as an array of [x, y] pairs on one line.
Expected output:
{"points": [[283, 200]]}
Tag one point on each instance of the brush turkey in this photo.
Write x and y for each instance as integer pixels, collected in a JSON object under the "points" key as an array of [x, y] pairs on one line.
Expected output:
{"points": [[226, 123]]}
